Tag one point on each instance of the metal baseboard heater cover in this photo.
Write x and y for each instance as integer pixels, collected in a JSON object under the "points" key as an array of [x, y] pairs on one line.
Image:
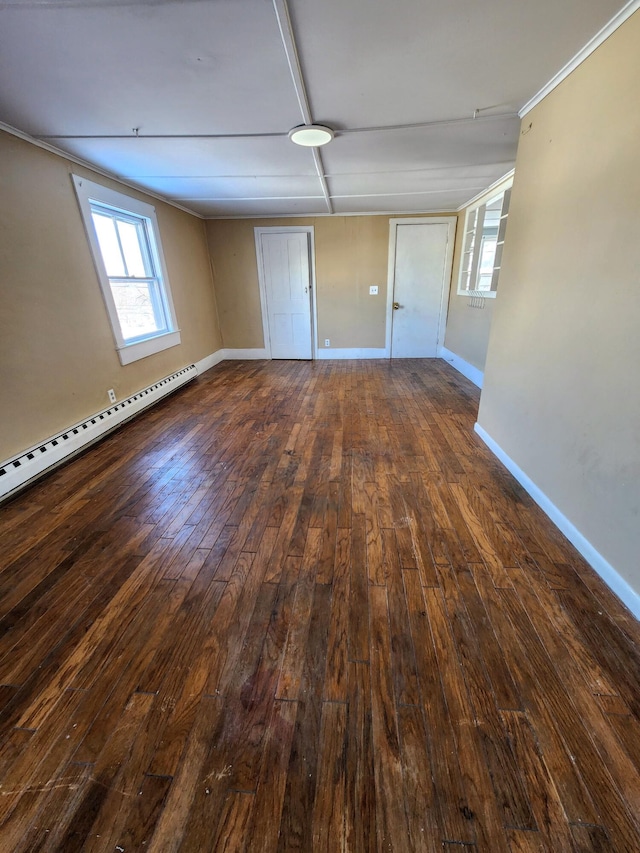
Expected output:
{"points": [[23, 469]]}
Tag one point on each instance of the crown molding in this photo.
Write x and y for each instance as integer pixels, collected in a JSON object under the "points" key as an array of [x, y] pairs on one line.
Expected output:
{"points": [[39, 143], [624, 14], [489, 189]]}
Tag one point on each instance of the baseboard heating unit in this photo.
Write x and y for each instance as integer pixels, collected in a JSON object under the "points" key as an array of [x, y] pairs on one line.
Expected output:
{"points": [[17, 472]]}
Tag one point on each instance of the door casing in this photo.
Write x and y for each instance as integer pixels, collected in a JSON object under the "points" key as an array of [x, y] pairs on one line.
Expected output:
{"points": [[450, 221], [294, 229]]}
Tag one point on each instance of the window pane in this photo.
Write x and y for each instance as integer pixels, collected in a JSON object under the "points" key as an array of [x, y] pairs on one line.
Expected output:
{"points": [[131, 238], [492, 217], [109, 247], [137, 309], [488, 255]]}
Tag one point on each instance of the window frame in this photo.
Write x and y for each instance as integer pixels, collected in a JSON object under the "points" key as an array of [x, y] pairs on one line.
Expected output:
{"points": [[133, 349], [477, 211]]}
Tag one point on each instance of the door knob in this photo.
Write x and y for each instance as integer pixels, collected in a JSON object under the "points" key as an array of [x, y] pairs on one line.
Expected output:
{"points": [[396, 305]]}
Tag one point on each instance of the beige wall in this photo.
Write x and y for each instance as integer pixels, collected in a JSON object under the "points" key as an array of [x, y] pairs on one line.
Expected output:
{"points": [[468, 327], [351, 254], [562, 382], [57, 353]]}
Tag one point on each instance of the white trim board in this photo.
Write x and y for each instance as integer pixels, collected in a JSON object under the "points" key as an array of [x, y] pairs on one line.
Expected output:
{"points": [[32, 463], [609, 575], [241, 354], [351, 352], [89, 194], [618, 19], [472, 373], [488, 190], [210, 361]]}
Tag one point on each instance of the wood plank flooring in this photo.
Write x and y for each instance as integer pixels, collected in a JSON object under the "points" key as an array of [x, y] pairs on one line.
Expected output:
{"points": [[300, 607]]}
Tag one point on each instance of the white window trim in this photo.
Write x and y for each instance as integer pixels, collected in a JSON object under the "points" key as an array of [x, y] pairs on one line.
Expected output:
{"points": [[88, 191], [485, 199]]}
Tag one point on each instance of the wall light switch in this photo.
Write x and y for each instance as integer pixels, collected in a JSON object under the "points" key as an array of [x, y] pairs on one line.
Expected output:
{"points": [[373, 290]]}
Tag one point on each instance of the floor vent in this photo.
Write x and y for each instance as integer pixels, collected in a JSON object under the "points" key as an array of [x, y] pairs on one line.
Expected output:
{"points": [[32, 463]]}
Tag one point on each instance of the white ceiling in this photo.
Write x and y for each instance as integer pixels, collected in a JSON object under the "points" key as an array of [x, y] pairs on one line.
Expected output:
{"points": [[213, 86]]}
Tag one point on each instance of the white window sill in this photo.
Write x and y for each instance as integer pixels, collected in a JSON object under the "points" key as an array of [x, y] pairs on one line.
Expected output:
{"points": [[141, 349]]}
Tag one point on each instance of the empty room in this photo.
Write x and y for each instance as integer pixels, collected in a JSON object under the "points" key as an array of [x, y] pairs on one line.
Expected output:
{"points": [[319, 426]]}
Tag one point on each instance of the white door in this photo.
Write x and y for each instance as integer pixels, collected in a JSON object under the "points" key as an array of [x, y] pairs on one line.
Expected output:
{"points": [[287, 290], [422, 255]]}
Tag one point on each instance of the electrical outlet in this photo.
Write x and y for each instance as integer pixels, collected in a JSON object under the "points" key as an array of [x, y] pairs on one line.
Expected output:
{"points": [[373, 290], [327, 342], [112, 395]]}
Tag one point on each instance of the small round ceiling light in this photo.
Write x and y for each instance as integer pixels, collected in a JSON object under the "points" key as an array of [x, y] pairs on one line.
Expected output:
{"points": [[311, 135]]}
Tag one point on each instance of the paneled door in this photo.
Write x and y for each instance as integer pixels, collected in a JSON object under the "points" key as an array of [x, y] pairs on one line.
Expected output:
{"points": [[421, 254], [286, 279]]}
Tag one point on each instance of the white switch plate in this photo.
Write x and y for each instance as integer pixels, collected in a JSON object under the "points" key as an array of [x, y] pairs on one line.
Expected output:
{"points": [[373, 290]]}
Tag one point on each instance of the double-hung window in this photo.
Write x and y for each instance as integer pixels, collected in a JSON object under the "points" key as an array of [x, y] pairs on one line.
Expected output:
{"points": [[484, 231], [124, 238]]}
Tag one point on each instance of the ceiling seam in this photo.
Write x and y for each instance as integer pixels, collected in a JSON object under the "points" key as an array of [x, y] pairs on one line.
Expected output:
{"points": [[335, 195], [427, 125], [250, 176], [293, 60], [388, 128], [291, 52], [254, 216]]}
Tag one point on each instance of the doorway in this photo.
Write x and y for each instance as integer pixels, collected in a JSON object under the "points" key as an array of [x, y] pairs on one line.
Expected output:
{"points": [[285, 274], [419, 277]]}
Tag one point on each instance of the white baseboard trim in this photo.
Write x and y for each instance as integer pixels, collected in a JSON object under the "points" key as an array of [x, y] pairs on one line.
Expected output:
{"points": [[472, 373], [625, 592], [260, 353], [209, 361], [241, 354], [352, 352], [19, 471]]}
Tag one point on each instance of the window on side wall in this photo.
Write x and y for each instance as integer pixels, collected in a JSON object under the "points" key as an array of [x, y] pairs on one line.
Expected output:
{"points": [[125, 242], [484, 229]]}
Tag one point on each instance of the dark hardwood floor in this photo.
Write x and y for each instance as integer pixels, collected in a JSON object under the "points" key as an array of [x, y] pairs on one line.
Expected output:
{"points": [[301, 607]]}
